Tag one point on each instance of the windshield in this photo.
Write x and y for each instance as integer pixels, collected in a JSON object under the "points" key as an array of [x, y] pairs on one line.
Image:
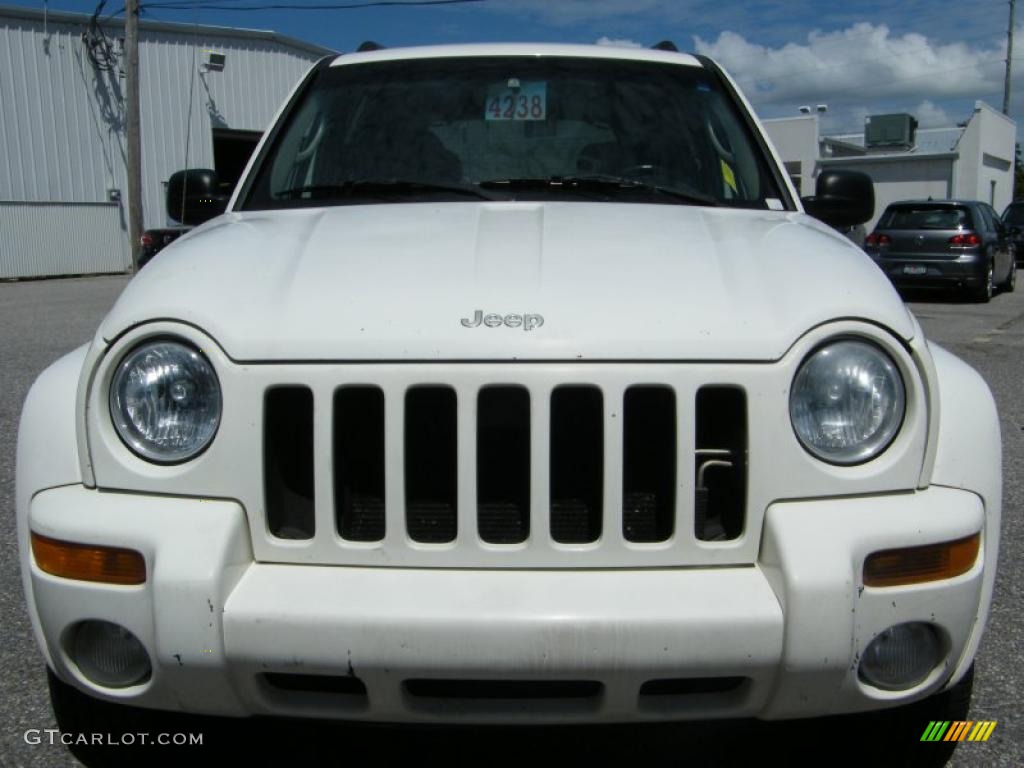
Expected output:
{"points": [[513, 128], [926, 217]]}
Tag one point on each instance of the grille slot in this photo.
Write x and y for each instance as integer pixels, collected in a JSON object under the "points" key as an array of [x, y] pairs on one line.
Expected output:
{"points": [[503, 689], [359, 463], [720, 463], [431, 485], [288, 462], [577, 459], [691, 686], [649, 464], [334, 684], [503, 465], [679, 696]]}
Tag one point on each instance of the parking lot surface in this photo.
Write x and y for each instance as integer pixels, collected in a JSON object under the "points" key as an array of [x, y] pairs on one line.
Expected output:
{"points": [[41, 320]]}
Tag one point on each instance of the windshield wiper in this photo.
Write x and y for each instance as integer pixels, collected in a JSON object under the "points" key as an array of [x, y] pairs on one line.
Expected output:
{"points": [[599, 183], [385, 189]]}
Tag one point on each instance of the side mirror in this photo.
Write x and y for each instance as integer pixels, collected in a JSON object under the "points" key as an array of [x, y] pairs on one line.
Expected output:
{"points": [[842, 198], [194, 196]]}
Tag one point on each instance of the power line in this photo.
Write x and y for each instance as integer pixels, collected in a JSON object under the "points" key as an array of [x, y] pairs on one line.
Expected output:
{"points": [[214, 5], [181, 5]]}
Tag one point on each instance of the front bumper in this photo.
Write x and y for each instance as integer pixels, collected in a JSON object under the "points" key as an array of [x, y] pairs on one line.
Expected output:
{"points": [[789, 630]]}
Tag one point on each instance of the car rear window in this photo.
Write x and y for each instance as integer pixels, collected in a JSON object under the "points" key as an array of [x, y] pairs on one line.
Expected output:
{"points": [[926, 217]]}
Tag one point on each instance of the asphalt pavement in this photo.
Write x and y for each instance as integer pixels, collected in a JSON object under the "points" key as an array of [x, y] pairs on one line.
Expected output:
{"points": [[41, 320]]}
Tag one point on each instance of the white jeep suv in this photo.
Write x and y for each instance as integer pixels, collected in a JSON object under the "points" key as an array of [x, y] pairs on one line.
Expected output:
{"points": [[514, 385]]}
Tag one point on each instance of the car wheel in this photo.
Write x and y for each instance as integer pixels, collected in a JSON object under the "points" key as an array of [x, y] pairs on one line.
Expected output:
{"points": [[983, 293], [1011, 279]]}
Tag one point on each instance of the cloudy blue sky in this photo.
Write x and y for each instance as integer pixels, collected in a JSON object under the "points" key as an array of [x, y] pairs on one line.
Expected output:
{"points": [[933, 58]]}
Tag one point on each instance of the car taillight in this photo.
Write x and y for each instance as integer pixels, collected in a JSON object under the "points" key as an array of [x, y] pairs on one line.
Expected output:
{"points": [[146, 240], [876, 239], [965, 241]]}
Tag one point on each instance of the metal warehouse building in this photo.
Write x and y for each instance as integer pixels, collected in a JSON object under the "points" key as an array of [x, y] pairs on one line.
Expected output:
{"points": [[63, 188]]}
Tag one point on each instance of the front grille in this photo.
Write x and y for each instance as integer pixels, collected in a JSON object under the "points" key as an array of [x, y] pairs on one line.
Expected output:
{"points": [[560, 471]]}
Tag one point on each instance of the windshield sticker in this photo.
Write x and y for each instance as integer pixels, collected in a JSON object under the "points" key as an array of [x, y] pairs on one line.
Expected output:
{"points": [[774, 204], [515, 100]]}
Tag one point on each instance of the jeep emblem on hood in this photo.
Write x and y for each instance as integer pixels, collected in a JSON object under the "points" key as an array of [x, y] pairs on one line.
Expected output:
{"points": [[526, 322]]}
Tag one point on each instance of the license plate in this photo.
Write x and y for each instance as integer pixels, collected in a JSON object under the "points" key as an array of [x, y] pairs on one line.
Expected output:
{"points": [[913, 269]]}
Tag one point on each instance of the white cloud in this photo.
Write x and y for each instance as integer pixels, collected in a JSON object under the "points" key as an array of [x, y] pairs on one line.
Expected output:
{"points": [[864, 63], [619, 42], [931, 115]]}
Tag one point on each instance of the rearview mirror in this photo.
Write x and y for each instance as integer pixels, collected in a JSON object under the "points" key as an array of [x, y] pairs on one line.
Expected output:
{"points": [[194, 196], [842, 198]]}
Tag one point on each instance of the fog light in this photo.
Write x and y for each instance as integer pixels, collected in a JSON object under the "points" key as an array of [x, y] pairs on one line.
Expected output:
{"points": [[901, 656], [109, 655]]}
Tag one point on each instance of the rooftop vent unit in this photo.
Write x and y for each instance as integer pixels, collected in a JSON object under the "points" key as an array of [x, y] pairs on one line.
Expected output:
{"points": [[890, 131]]}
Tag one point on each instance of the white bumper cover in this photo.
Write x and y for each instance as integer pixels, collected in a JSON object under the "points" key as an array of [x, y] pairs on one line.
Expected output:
{"points": [[791, 628]]}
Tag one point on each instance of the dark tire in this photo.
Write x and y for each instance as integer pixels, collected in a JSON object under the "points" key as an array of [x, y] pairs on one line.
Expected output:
{"points": [[983, 293], [1011, 279]]}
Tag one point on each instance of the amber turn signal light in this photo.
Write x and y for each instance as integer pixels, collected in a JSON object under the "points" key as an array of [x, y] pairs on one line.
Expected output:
{"points": [[88, 562], [915, 565]]}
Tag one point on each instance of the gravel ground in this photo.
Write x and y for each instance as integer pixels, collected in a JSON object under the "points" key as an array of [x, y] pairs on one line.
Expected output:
{"points": [[41, 320]]}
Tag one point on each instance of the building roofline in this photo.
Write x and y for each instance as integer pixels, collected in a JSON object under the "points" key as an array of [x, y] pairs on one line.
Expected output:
{"points": [[789, 117], [149, 25], [890, 157], [861, 150], [979, 105]]}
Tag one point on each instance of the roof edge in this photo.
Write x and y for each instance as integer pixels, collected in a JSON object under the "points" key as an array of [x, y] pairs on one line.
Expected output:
{"points": [[889, 157], [69, 17]]}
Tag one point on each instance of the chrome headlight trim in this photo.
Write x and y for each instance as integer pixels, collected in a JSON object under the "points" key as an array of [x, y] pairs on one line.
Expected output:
{"points": [[848, 401], [165, 400]]}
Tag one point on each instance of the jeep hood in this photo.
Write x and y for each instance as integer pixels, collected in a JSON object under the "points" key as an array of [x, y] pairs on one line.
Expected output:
{"points": [[611, 281]]}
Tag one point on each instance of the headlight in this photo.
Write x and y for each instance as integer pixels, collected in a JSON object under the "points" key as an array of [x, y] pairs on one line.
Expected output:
{"points": [[847, 402], [165, 401]]}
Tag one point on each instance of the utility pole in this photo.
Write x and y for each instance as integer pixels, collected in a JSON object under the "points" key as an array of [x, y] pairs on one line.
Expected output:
{"points": [[134, 169], [1009, 60]]}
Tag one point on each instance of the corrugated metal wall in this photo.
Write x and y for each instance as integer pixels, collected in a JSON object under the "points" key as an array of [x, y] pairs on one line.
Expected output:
{"points": [[62, 126], [47, 239]]}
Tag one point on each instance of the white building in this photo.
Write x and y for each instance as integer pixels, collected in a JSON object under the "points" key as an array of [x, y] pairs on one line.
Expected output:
{"points": [[63, 185], [972, 161]]}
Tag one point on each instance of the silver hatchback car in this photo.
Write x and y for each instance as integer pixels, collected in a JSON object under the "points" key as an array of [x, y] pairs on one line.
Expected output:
{"points": [[959, 244]]}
